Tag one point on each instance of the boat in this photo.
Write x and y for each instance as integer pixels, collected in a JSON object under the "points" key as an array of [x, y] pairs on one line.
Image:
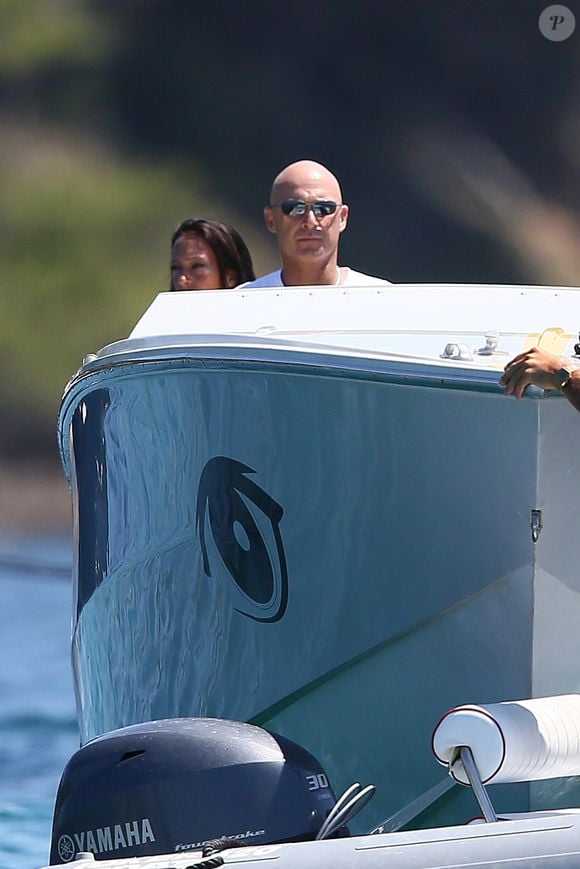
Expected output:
{"points": [[202, 793], [314, 510]]}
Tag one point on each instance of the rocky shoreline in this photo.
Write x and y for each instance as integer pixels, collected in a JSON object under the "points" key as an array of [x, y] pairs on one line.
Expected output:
{"points": [[34, 498]]}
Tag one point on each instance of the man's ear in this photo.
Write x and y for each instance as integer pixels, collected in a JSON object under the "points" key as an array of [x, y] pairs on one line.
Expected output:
{"points": [[269, 219], [343, 217]]}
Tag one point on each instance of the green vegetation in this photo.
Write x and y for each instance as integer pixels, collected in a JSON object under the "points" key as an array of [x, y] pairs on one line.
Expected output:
{"points": [[38, 33], [84, 248]]}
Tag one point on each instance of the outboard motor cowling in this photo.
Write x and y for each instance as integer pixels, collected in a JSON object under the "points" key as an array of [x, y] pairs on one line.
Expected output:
{"points": [[170, 785]]}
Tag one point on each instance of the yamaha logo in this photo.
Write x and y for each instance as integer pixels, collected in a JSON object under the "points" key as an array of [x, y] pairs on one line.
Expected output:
{"points": [[103, 839], [66, 848], [243, 522]]}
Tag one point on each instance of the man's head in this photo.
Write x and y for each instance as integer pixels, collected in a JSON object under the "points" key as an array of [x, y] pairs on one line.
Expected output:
{"points": [[307, 214]]}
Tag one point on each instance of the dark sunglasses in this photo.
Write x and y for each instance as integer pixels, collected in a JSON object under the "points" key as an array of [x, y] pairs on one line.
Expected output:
{"points": [[298, 207]]}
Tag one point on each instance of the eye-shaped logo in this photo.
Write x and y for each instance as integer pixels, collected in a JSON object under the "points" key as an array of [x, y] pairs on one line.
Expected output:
{"points": [[244, 523]]}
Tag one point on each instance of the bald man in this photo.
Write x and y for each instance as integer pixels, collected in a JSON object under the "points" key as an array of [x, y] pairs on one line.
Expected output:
{"points": [[307, 215], [545, 370]]}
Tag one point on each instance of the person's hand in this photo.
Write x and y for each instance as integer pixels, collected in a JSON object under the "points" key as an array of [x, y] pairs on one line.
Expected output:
{"points": [[534, 366]]}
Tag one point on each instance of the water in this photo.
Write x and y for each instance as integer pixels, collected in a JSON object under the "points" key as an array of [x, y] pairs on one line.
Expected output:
{"points": [[38, 730]]}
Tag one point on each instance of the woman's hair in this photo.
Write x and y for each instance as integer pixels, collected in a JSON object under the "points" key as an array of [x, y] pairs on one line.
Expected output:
{"points": [[227, 244]]}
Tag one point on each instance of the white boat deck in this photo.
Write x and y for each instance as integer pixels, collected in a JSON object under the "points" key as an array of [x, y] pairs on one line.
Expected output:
{"points": [[411, 321]]}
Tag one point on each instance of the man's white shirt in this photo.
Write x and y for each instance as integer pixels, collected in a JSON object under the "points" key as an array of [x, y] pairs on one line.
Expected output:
{"points": [[351, 279]]}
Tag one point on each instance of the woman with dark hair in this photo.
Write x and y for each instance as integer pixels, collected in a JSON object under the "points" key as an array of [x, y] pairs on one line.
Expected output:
{"points": [[208, 255]]}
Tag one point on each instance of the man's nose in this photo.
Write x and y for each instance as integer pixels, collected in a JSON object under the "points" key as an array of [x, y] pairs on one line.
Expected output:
{"points": [[309, 218]]}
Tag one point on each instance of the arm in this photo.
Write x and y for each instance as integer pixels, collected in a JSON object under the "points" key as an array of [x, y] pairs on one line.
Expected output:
{"points": [[544, 370]]}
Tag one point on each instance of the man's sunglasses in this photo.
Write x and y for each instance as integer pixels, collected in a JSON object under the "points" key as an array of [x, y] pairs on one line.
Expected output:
{"points": [[298, 207]]}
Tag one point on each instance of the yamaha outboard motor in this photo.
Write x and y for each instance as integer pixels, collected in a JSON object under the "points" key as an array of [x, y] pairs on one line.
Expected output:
{"points": [[171, 785]]}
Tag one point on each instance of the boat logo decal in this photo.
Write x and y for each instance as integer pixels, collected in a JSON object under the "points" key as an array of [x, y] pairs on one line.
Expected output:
{"points": [[244, 524]]}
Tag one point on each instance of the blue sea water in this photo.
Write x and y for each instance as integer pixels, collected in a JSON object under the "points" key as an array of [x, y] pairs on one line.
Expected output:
{"points": [[38, 730]]}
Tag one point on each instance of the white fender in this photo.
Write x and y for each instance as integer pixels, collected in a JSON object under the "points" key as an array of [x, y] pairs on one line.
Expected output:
{"points": [[524, 740]]}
